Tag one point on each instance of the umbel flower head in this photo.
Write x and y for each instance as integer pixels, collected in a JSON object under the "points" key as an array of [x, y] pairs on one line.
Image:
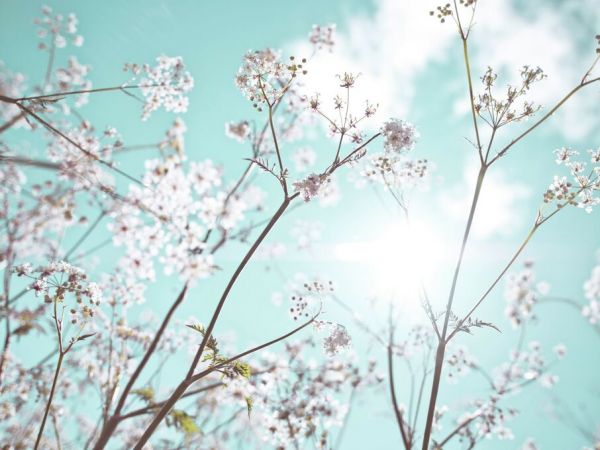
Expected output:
{"points": [[399, 135], [164, 84], [264, 78], [59, 280]]}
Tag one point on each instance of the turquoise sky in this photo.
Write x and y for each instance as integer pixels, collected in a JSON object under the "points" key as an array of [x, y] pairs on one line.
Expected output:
{"points": [[213, 36]]}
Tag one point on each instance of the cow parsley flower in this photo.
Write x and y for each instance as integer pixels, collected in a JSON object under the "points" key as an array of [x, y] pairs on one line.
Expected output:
{"points": [[337, 341], [399, 135], [311, 186], [322, 37], [564, 154], [58, 29], [164, 84], [239, 131], [264, 77]]}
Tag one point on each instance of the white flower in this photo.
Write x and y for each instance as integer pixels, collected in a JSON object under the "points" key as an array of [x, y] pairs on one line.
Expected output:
{"points": [[239, 131], [560, 350], [564, 154], [322, 37], [164, 84], [337, 341], [399, 135], [310, 186]]}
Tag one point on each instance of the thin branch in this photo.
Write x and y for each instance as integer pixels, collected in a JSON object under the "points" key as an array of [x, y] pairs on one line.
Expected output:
{"points": [[112, 423], [397, 411], [543, 119]]}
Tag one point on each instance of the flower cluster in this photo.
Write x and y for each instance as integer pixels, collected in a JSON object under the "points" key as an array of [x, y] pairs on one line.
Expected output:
{"points": [[170, 218], [522, 293], [307, 297], [395, 171], [322, 37], [581, 190], [497, 112], [59, 279], [239, 131], [300, 402], [264, 78], [399, 135], [78, 157], [340, 117], [311, 186], [164, 84], [58, 29], [459, 363], [12, 85], [526, 366], [71, 78], [488, 419], [338, 339]]}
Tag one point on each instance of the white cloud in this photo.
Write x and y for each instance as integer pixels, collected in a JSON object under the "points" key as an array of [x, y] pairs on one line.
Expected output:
{"points": [[498, 211], [507, 38], [389, 49], [399, 41]]}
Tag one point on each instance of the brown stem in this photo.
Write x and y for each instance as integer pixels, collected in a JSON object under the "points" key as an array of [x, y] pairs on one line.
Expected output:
{"points": [[543, 119], [397, 412], [6, 284], [56, 131], [29, 162], [282, 178], [5, 126], [82, 91], [182, 387], [496, 281], [61, 355], [456, 431], [471, 97], [439, 360], [112, 423]]}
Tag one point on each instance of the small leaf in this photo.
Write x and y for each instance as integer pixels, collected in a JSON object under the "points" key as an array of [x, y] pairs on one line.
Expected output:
{"points": [[249, 404], [146, 394], [184, 422], [212, 342], [243, 369], [85, 336], [197, 327]]}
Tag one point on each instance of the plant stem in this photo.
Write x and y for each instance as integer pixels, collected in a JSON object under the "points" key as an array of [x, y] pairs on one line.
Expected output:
{"points": [[471, 97], [397, 412], [113, 421], [189, 379], [441, 349], [61, 355]]}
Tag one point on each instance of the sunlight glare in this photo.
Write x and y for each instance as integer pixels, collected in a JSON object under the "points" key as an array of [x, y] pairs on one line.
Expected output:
{"points": [[399, 260]]}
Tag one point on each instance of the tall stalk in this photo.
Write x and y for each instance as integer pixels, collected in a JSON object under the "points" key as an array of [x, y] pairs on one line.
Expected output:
{"points": [[61, 356], [441, 348], [190, 379]]}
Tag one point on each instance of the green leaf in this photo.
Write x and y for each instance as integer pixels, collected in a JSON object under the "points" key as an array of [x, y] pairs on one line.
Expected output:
{"points": [[184, 422], [146, 394], [212, 342], [249, 404], [243, 369]]}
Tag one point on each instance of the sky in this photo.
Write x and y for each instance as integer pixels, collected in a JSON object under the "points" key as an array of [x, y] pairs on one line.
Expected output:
{"points": [[412, 66]]}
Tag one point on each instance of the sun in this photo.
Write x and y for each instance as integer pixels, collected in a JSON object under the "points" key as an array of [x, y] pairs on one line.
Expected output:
{"points": [[400, 260]]}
